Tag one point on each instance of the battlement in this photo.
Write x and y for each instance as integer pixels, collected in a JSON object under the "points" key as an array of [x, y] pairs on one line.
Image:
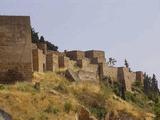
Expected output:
{"points": [[75, 55], [20, 55], [96, 56]]}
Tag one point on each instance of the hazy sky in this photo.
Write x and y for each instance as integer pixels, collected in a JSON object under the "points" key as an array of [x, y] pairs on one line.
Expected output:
{"points": [[122, 28]]}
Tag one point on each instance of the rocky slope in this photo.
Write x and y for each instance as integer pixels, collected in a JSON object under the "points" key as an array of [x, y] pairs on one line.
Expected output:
{"points": [[55, 98]]}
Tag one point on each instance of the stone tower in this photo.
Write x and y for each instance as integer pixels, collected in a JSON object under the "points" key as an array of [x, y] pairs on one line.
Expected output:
{"points": [[15, 49]]}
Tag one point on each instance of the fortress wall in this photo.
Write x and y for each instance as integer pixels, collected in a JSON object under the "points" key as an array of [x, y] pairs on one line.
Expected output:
{"points": [[98, 60], [87, 76], [111, 72], [65, 62], [52, 62], [39, 60], [75, 55], [83, 62], [43, 47], [15, 48], [126, 77], [139, 76], [91, 68], [94, 54], [34, 46]]}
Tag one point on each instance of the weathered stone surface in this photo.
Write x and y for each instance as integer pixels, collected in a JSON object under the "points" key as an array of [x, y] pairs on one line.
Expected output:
{"points": [[96, 56], [71, 75], [83, 114], [87, 76], [39, 60], [75, 55], [4, 115], [15, 46], [52, 61]]}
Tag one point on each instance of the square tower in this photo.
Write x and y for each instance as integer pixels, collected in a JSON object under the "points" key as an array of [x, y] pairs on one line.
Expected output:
{"points": [[15, 49]]}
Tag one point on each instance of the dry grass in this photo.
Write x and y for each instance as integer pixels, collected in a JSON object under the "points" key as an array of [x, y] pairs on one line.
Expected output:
{"points": [[23, 102]]}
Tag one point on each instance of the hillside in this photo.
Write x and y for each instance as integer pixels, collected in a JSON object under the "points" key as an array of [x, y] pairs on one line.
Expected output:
{"points": [[59, 99]]}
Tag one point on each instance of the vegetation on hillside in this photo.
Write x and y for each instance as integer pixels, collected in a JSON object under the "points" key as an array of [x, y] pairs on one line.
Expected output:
{"points": [[60, 99], [41, 39]]}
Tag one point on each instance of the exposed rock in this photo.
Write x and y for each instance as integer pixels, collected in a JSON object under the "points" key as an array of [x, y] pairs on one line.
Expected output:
{"points": [[92, 118], [4, 115], [71, 75], [83, 114], [54, 92]]}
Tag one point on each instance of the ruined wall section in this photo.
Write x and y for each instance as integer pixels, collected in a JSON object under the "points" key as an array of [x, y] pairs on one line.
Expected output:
{"points": [[95, 56], [65, 62], [75, 55], [15, 48], [126, 77], [39, 60], [110, 72], [52, 61], [43, 47]]}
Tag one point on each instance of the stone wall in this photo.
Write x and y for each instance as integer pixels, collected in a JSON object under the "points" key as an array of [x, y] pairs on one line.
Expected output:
{"points": [[39, 60], [111, 72], [34, 46], [43, 47], [96, 56], [87, 76], [75, 55], [83, 62], [15, 48], [139, 76], [52, 61], [126, 77], [65, 62]]}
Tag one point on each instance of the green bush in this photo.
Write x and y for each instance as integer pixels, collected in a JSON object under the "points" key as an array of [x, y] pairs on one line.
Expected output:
{"points": [[99, 112], [25, 87], [138, 99], [67, 107]]}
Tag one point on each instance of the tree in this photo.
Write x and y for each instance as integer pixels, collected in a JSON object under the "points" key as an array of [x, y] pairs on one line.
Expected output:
{"points": [[34, 35], [126, 63], [151, 87], [35, 39], [42, 39], [112, 61]]}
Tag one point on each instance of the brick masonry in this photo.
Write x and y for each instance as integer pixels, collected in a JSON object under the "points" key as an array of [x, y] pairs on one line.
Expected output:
{"points": [[39, 60], [75, 55], [52, 61], [15, 47]]}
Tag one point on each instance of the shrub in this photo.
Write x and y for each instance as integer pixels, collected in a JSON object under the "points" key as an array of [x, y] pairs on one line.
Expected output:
{"points": [[52, 109], [25, 87], [61, 87], [100, 112], [95, 103], [67, 107], [2, 87]]}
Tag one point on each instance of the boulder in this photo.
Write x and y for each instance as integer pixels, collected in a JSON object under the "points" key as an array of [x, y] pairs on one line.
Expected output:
{"points": [[4, 115], [83, 114], [71, 75]]}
